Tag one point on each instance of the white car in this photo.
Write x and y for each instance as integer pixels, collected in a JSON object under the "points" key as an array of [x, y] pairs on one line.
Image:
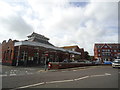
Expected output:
{"points": [[116, 63]]}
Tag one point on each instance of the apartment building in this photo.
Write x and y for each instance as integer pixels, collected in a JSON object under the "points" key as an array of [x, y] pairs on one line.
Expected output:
{"points": [[106, 51]]}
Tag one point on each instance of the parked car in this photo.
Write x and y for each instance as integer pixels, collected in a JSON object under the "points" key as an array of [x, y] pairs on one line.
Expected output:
{"points": [[88, 62], [97, 62], [65, 60], [81, 61], [116, 63], [107, 62], [85, 61]]}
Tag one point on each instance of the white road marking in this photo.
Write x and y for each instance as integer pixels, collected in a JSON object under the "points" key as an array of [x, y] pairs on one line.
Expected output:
{"points": [[12, 74], [74, 70], [106, 74], [60, 81], [3, 75], [29, 73], [81, 78], [63, 71], [29, 86]]}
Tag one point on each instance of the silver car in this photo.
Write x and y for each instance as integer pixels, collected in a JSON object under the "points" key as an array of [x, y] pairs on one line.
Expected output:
{"points": [[116, 63]]}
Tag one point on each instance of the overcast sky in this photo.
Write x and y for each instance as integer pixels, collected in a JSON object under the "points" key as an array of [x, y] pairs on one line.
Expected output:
{"points": [[65, 22]]}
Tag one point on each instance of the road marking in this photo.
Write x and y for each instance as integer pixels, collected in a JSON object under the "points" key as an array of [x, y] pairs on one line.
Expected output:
{"points": [[28, 86], [81, 78], [61, 81], [106, 74], [74, 70], [12, 74], [29, 73], [3, 75], [63, 71]]}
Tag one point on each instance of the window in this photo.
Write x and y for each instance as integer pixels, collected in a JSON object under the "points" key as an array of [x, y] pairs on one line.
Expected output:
{"points": [[98, 50], [98, 46], [105, 46], [103, 50], [98, 54], [4, 55], [119, 50], [108, 50], [115, 50], [23, 55]]}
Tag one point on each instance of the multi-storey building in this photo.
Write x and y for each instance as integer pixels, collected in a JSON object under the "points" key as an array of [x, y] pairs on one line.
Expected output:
{"points": [[33, 51], [77, 49], [106, 51]]}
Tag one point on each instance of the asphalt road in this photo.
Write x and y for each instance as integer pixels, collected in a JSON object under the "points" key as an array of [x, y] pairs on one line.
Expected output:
{"points": [[92, 77]]}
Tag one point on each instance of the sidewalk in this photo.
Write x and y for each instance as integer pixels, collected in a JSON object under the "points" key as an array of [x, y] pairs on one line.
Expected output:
{"points": [[70, 69], [42, 68]]}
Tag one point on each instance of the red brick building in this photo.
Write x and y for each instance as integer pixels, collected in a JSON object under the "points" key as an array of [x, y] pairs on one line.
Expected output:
{"points": [[33, 51], [106, 51], [76, 49]]}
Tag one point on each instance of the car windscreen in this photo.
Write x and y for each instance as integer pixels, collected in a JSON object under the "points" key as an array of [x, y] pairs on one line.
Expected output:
{"points": [[116, 61]]}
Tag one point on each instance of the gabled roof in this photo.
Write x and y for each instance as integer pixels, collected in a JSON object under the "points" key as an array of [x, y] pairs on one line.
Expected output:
{"points": [[108, 44]]}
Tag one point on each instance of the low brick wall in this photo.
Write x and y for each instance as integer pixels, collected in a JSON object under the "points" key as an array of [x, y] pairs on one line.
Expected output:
{"points": [[62, 65]]}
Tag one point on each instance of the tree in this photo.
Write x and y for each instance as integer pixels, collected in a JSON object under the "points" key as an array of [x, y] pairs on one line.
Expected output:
{"points": [[86, 55]]}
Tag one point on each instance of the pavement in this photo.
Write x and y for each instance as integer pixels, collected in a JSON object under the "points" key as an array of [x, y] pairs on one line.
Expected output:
{"points": [[13, 70], [18, 71]]}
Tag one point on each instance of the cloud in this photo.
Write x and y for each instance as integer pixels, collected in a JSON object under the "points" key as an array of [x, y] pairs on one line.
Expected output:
{"points": [[63, 22], [12, 23]]}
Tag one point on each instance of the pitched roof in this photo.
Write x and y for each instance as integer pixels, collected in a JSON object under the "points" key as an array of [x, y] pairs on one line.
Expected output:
{"points": [[45, 46], [38, 35]]}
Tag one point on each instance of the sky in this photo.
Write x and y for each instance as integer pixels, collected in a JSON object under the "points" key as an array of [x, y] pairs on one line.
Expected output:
{"points": [[65, 22]]}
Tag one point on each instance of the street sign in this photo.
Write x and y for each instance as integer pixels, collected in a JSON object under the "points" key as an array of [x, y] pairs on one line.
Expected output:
{"points": [[46, 54]]}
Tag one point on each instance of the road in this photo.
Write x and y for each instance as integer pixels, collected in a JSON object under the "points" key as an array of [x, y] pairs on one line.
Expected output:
{"points": [[90, 77]]}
